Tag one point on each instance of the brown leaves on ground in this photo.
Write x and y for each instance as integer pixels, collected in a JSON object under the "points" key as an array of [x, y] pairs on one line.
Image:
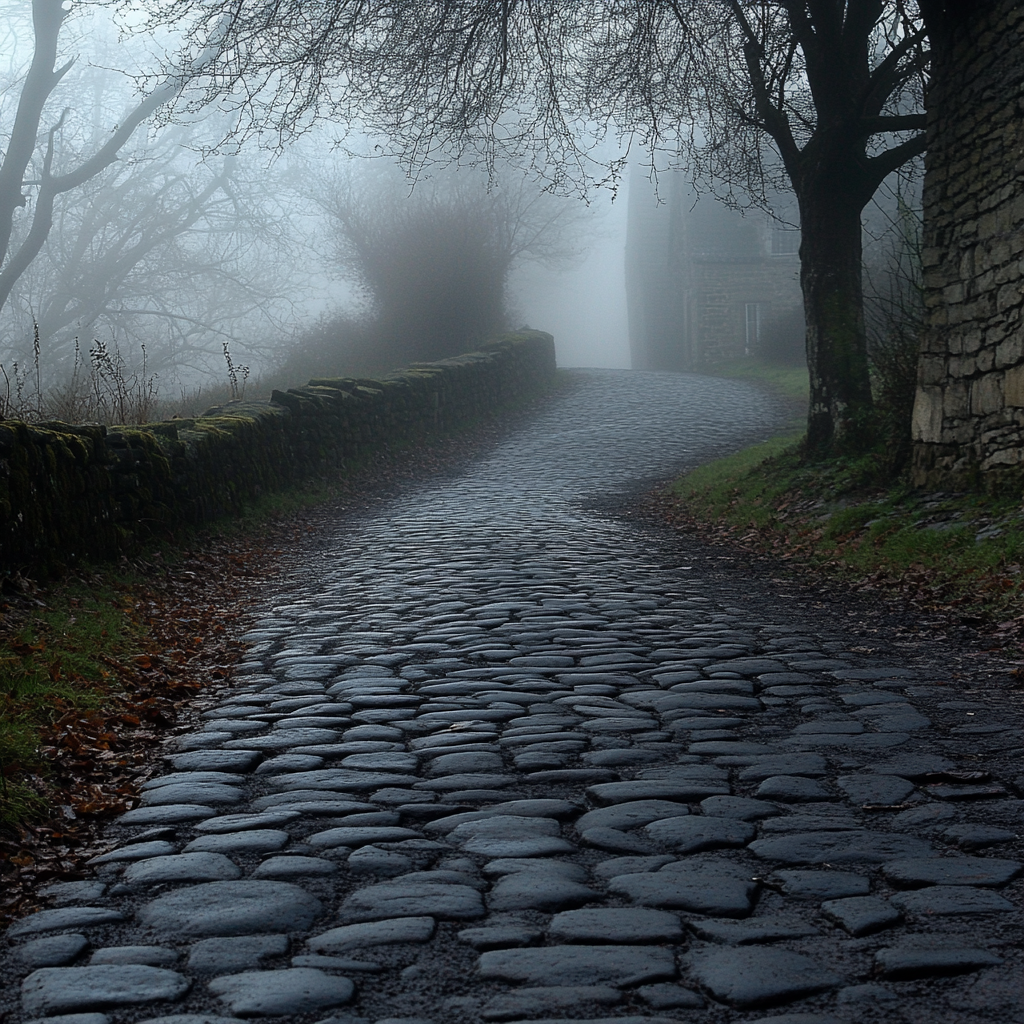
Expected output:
{"points": [[98, 758], [191, 611]]}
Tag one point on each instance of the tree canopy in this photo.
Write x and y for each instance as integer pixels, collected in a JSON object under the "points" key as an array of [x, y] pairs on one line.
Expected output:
{"points": [[822, 95]]}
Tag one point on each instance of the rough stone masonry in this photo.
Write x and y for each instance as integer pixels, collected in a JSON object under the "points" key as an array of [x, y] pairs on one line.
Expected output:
{"points": [[498, 754], [969, 411]]}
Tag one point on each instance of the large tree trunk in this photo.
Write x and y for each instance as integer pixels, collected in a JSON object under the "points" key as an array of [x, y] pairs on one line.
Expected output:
{"points": [[830, 276]]}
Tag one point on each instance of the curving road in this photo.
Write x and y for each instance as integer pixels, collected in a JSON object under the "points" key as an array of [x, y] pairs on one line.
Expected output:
{"points": [[497, 754]]}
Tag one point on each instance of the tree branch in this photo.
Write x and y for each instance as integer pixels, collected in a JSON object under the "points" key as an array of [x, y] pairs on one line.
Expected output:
{"points": [[41, 80], [860, 18], [773, 119], [887, 75], [881, 166], [894, 123], [48, 16]]}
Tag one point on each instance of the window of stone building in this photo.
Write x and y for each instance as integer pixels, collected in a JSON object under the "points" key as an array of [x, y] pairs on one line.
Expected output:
{"points": [[785, 241], [753, 335]]}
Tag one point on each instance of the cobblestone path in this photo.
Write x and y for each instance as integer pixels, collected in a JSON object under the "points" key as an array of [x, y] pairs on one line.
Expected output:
{"points": [[497, 755]]}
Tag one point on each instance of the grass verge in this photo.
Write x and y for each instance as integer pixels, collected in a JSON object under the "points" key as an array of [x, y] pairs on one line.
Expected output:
{"points": [[93, 671], [90, 669], [790, 382], [960, 554], [59, 664]]}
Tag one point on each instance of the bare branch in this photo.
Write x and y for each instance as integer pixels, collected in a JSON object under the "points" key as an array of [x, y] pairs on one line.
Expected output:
{"points": [[881, 166], [41, 80], [893, 70], [894, 123]]}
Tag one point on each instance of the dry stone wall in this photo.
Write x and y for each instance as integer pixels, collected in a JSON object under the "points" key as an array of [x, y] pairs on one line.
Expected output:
{"points": [[88, 492], [968, 423]]}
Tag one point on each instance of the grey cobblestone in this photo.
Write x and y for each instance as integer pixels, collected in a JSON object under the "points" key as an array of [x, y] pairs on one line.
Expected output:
{"points": [[497, 752]]}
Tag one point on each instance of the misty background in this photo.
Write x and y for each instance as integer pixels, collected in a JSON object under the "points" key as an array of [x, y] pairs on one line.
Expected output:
{"points": [[194, 268], [195, 264]]}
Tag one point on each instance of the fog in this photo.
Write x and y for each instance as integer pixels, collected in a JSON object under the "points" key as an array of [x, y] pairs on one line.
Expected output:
{"points": [[193, 266], [584, 308]]}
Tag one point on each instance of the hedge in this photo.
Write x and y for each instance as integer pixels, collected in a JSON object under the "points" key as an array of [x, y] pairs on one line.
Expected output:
{"points": [[72, 492]]}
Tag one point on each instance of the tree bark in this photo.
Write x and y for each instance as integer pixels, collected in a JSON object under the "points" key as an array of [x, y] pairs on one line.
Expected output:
{"points": [[830, 277]]}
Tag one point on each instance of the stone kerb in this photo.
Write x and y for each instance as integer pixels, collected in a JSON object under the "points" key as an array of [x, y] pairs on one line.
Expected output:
{"points": [[69, 492]]}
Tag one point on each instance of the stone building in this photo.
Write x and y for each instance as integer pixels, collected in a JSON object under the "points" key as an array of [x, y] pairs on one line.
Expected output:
{"points": [[704, 283], [969, 412]]}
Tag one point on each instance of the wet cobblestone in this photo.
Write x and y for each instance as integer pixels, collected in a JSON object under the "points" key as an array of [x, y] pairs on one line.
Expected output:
{"points": [[497, 754]]}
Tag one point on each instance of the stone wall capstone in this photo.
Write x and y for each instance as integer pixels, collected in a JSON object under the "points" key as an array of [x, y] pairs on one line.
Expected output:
{"points": [[968, 424], [73, 492]]}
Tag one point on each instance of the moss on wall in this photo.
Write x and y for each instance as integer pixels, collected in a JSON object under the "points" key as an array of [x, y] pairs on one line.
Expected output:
{"points": [[69, 492]]}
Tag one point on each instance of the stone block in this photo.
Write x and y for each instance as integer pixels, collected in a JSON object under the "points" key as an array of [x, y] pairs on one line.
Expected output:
{"points": [[1009, 353], [53, 990], [971, 259], [1015, 217], [1003, 457], [1008, 297], [931, 369], [953, 293], [963, 366], [927, 418], [986, 394], [1013, 385]]}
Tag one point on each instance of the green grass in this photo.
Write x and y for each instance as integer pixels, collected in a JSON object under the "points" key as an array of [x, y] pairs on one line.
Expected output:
{"points": [[58, 657], [962, 551], [717, 480], [788, 381], [69, 653]]}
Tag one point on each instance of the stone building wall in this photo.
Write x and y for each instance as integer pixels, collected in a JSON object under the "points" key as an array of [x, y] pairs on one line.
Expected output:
{"points": [[721, 288], [693, 266], [968, 425]]}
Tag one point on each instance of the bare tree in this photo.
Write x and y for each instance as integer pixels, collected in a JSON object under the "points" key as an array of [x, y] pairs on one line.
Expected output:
{"points": [[829, 92], [52, 179], [122, 224], [434, 260], [160, 251]]}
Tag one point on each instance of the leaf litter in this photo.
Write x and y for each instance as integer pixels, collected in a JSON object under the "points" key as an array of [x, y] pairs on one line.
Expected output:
{"points": [[187, 609]]}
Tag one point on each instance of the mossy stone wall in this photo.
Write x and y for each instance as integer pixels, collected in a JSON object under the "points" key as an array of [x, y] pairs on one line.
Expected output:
{"points": [[71, 492]]}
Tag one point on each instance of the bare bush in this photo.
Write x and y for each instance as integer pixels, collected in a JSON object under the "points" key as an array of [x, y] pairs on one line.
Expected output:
{"points": [[435, 271], [102, 387], [337, 345], [433, 262]]}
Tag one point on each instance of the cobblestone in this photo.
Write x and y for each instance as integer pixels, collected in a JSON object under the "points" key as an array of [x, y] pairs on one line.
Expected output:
{"points": [[499, 752]]}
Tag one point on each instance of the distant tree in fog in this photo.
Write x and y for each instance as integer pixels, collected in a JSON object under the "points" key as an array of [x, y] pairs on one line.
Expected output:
{"points": [[127, 235], [434, 259], [35, 170], [160, 251], [831, 87]]}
